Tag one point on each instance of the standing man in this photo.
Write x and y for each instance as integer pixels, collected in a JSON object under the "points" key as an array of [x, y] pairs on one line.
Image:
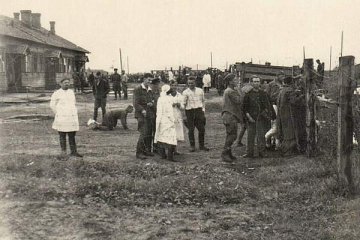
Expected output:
{"points": [[194, 102], [320, 73], [100, 90], [66, 122], [153, 96], [142, 101], [206, 82], [124, 81], [231, 116], [91, 79], [115, 79], [258, 111]]}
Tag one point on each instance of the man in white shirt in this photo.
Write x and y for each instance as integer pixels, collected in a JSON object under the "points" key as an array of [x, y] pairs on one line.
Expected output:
{"points": [[194, 102], [206, 82]]}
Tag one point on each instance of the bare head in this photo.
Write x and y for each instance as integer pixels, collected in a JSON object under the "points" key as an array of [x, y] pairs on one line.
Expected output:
{"points": [[191, 82], [129, 109]]}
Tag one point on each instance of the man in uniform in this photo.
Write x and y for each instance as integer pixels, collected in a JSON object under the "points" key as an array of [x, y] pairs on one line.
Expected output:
{"points": [[231, 116], [142, 101], [116, 81], [100, 90]]}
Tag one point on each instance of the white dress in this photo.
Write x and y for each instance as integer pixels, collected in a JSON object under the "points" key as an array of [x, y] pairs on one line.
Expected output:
{"points": [[165, 120], [62, 103], [179, 124]]}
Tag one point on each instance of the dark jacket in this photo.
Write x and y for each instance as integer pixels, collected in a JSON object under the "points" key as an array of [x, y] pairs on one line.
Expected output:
{"points": [[141, 99], [257, 104], [101, 88]]}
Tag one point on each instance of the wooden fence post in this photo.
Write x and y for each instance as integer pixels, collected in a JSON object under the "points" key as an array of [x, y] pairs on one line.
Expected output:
{"points": [[310, 107], [347, 171]]}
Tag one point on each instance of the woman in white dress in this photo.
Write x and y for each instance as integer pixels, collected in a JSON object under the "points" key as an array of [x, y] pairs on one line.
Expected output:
{"points": [[178, 106], [165, 134]]}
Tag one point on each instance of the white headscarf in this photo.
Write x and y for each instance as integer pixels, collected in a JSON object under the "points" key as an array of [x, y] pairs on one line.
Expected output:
{"points": [[164, 89]]}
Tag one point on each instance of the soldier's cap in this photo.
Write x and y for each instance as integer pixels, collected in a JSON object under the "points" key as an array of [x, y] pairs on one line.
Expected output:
{"points": [[64, 79], [229, 77], [155, 81], [115, 69], [98, 73], [148, 75]]}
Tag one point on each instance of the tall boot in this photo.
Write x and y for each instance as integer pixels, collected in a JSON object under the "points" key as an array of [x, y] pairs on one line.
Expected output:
{"points": [[225, 156], [72, 144], [231, 155], [162, 152], [170, 155]]}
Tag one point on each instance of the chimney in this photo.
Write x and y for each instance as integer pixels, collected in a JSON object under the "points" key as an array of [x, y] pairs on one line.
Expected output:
{"points": [[52, 27], [26, 17], [17, 15], [35, 20]]}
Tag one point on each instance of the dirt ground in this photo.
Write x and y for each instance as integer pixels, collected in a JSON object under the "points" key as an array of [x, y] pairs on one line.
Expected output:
{"points": [[110, 194]]}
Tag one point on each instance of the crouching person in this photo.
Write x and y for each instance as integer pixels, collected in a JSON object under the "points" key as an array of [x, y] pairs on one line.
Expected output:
{"points": [[66, 122], [231, 115], [165, 133], [111, 118]]}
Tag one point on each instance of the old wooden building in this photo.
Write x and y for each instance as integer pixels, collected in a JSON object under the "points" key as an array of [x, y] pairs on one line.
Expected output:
{"points": [[267, 72], [34, 57]]}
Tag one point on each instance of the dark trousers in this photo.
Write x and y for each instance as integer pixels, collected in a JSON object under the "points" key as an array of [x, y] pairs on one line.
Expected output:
{"points": [[99, 103], [230, 122], [72, 143], [196, 118], [143, 126], [117, 90], [150, 133], [124, 89], [259, 130]]}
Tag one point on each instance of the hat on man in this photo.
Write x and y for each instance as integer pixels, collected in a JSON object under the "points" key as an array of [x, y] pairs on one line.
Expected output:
{"points": [[155, 81], [98, 73], [115, 69], [229, 77], [64, 79]]}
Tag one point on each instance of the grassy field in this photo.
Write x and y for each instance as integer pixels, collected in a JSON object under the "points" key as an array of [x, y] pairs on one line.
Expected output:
{"points": [[111, 195]]}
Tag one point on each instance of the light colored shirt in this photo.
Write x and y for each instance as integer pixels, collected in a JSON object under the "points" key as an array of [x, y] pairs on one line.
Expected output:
{"points": [[194, 98], [124, 78]]}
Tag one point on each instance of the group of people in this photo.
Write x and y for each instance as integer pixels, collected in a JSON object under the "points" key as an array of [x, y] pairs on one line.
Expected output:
{"points": [[272, 114], [159, 112]]}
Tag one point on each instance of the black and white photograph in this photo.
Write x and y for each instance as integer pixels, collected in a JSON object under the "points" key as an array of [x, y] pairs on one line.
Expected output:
{"points": [[180, 120]]}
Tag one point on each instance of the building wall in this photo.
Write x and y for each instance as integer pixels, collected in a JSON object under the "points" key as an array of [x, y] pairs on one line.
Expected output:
{"points": [[35, 80], [3, 82]]}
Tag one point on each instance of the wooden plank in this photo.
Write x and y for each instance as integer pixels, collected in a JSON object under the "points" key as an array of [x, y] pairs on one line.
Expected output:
{"points": [[345, 122], [310, 107]]}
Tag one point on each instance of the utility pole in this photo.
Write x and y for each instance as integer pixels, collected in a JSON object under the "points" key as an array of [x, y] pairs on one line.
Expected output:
{"points": [[342, 41], [121, 68], [330, 61], [211, 59], [303, 52]]}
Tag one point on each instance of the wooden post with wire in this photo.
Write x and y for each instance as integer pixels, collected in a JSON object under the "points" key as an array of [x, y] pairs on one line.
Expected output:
{"points": [[348, 168], [311, 148]]}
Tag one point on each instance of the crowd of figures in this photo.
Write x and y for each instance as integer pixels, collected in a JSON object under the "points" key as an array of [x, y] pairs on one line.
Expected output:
{"points": [[273, 114]]}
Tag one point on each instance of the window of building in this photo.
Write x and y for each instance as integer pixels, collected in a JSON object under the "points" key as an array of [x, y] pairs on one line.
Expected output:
{"points": [[27, 63], [65, 65], [2, 62], [34, 62]]}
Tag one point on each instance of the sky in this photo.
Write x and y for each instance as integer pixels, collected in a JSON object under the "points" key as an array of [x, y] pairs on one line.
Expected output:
{"points": [[159, 34]]}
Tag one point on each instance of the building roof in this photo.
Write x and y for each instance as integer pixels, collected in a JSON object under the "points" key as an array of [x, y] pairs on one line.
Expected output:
{"points": [[15, 28]]}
